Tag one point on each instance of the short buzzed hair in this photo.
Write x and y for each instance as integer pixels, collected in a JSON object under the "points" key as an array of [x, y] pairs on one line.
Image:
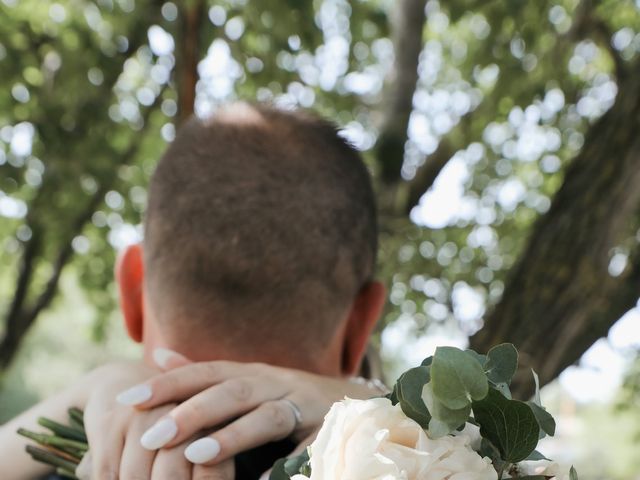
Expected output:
{"points": [[260, 229]]}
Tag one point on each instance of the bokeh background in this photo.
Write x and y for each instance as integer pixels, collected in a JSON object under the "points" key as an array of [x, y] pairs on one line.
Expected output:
{"points": [[502, 137]]}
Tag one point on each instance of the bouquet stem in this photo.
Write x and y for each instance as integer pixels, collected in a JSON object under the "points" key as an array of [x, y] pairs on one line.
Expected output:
{"points": [[63, 448]]}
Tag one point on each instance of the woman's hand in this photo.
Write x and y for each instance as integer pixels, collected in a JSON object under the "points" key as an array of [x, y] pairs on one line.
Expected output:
{"points": [[114, 431], [251, 404]]}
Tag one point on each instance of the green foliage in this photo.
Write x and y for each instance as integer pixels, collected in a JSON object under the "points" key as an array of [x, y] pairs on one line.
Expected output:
{"points": [[502, 363], [409, 394], [457, 378], [62, 448], [285, 468], [573, 475], [510, 429], [509, 424], [545, 421], [444, 420]]}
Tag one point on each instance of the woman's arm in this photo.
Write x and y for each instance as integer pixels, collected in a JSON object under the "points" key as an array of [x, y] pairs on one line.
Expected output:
{"points": [[16, 463]]}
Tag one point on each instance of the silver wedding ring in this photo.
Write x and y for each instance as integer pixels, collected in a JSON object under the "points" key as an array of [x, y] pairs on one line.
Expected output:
{"points": [[296, 412]]}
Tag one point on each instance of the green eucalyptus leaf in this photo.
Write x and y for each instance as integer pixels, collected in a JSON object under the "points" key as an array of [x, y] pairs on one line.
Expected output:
{"points": [[393, 396], [427, 361], [545, 420], [297, 464], [502, 363], [409, 393], [482, 359], [278, 472], [457, 378], [488, 449], [504, 389], [535, 456], [443, 420], [536, 396], [509, 424], [573, 475]]}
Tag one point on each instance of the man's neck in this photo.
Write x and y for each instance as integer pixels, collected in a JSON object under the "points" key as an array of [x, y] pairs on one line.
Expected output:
{"points": [[326, 362]]}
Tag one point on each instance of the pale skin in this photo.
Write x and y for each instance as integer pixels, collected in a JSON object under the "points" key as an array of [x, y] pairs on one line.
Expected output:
{"points": [[241, 388]]}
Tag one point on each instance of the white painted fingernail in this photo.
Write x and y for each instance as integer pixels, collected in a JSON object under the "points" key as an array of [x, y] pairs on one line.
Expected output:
{"points": [[161, 356], [160, 434], [135, 395], [203, 450]]}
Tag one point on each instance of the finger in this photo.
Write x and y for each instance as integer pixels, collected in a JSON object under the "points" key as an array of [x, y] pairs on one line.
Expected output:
{"points": [[170, 464], [213, 407], [222, 471], [167, 359], [271, 421], [106, 438], [183, 382], [136, 461], [83, 470]]}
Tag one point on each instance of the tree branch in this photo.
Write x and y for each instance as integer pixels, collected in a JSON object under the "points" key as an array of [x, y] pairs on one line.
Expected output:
{"points": [[188, 56], [21, 316], [407, 25], [587, 24]]}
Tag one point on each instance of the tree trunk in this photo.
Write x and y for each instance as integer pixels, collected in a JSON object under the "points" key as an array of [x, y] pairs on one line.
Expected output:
{"points": [[560, 298], [407, 24]]}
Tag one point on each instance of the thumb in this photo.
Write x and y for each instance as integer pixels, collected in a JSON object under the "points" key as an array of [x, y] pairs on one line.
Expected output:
{"points": [[83, 470], [167, 359]]}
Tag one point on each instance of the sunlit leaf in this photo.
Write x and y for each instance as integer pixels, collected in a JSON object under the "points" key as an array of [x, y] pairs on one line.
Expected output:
{"points": [[457, 378]]}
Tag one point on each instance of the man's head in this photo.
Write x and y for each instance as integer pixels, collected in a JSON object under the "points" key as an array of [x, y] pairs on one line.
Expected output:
{"points": [[260, 238]]}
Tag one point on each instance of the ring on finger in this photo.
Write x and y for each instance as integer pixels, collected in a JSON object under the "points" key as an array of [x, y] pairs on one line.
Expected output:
{"points": [[296, 412]]}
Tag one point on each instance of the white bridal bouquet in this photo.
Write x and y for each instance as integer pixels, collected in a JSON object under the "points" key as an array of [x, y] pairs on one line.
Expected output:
{"points": [[451, 418]]}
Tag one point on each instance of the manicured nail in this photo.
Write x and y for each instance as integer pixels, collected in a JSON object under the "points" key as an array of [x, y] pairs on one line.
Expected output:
{"points": [[135, 395], [203, 450], [162, 356], [160, 434]]}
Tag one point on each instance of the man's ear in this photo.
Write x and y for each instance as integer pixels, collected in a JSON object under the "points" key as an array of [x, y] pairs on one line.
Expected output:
{"points": [[129, 276], [365, 312]]}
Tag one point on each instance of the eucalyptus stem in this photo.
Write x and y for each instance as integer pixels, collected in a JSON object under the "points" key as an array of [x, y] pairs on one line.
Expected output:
{"points": [[76, 417], [54, 441], [62, 449], [45, 456], [63, 430]]}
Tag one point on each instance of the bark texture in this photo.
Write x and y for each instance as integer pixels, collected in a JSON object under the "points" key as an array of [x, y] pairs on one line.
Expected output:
{"points": [[560, 297], [408, 19]]}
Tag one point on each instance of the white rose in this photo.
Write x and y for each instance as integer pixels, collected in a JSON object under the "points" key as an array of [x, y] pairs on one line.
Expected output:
{"points": [[374, 440]]}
